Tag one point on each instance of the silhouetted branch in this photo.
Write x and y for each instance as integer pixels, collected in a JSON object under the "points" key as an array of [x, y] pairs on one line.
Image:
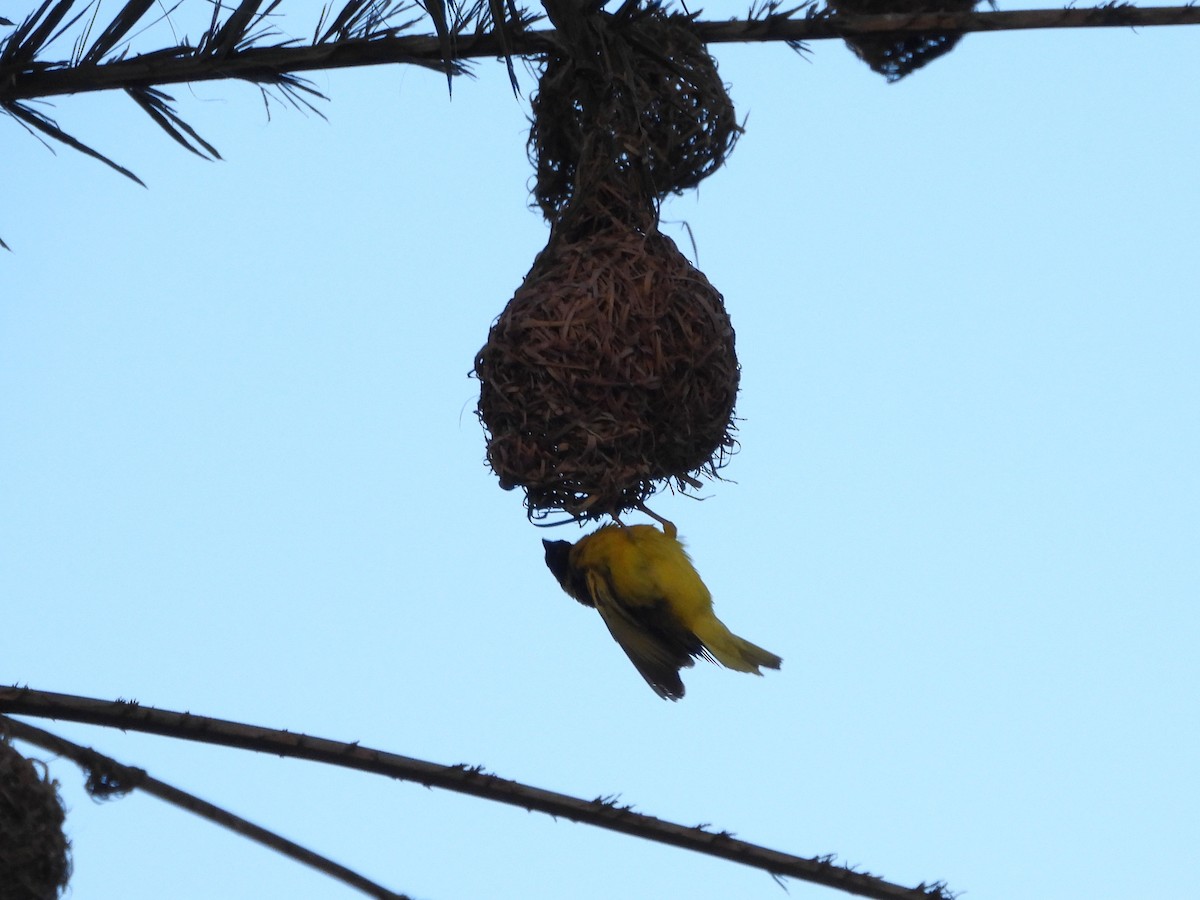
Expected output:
{"points": [[818, 26], [602, 812], [253, 63], [107, 778]]}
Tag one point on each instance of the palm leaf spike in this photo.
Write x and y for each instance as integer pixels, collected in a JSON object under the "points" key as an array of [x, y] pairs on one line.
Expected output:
{"points": [[157, 106], [768, 12], [501, 25], [31, 35], [117, 29], [234, 29], [437, 13], [343, 23], [32, 119]]}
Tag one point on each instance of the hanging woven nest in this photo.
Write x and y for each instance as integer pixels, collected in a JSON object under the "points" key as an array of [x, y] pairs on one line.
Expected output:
{"points": [[33, 849], [652, 85], [611, 371], [895, 55]]}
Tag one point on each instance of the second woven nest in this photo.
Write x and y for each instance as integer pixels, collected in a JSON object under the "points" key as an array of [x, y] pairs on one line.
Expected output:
{"points": [[654, 88], [895, 55]]}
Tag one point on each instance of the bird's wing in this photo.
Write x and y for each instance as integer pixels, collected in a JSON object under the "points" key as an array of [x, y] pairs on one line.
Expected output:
{"points": [[654, 642]]}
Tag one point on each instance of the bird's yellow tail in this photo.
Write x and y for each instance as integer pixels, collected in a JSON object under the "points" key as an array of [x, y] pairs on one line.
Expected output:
{"points": [[732, 651]]}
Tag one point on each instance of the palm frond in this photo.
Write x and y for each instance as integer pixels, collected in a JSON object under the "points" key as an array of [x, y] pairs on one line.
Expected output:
{"points": [[157, 106], [34, 33], [436, 9], [34, 120], [117, 29]]}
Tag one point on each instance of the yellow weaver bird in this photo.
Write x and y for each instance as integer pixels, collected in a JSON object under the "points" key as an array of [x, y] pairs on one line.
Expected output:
{"points": [[651, 598]]}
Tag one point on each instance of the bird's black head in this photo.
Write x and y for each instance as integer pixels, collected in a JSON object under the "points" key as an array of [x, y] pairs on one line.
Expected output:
{"points": [[570, 579], [558, 560]]}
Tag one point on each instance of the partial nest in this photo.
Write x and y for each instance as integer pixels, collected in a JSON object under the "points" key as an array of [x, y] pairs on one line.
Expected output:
{"points": [[896, 55], [652, 88], [33, 848], [611, 371]]}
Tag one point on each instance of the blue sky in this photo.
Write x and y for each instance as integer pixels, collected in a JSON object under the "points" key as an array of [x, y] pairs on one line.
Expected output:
{"points": [[241, 475]]}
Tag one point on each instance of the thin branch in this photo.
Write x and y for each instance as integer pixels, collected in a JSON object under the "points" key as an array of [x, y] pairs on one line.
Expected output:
{"points": [[602, 812], [107, 778], [176, 66], [823, 27]]}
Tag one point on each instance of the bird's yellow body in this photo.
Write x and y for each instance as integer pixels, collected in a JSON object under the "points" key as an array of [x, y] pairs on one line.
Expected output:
{"points": [[653, 601]]}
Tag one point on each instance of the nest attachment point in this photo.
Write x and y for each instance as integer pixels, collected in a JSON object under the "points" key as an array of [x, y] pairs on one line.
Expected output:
{"points": [[611, 371], [654, 88], [34, 863]]}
